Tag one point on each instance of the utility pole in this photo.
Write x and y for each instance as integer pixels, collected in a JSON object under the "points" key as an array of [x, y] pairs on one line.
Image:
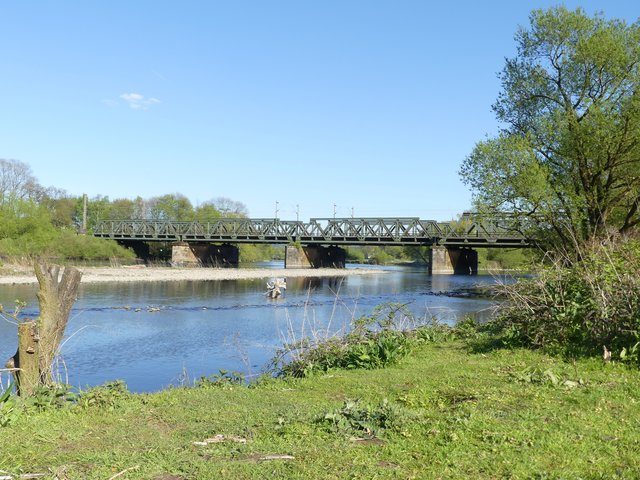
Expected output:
{"points": [[277, 203], [83, 230], [297, 212], [334, 210]]}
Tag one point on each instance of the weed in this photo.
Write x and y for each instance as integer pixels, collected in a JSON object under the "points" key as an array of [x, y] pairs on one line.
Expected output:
{"points": [[467, 328], [536, 375], [9, 410], [631, 356], [375, 341], [109, 396], [355, 350], [358, 418], [221, 379], [47, 397]]}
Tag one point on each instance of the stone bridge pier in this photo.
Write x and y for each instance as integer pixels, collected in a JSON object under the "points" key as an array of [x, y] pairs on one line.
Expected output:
{"points": [[453, 260], [184, 254], [314, 256]]}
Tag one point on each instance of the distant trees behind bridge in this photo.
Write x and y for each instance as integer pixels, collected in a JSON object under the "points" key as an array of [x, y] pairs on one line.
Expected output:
{"points": [[45, 221], [39, 220]]}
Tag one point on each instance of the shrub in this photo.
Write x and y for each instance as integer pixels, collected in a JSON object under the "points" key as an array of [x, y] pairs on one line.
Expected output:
{"points": [[579, 308]]}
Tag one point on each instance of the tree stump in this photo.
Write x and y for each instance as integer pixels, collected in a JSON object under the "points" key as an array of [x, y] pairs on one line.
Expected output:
{"points": [[38, 342], [56, 296], [26, 360]]}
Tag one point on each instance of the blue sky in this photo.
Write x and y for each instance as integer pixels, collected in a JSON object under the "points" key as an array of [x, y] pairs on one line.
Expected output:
{"points": [[348, 105]]}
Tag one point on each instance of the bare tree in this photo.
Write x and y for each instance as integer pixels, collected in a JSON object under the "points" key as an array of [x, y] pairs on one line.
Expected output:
{"points": [[17, 182], [230, 208]]}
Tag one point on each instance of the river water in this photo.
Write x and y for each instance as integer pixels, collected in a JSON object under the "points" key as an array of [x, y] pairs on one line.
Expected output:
{"points": [[152, 335]]}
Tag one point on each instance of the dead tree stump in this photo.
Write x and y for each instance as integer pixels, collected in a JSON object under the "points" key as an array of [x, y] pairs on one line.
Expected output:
{"points": [[26, 360], [38, 342]]}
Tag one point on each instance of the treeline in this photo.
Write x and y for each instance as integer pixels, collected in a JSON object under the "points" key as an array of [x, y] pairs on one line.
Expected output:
{"points": [[35, 220], [46, 221]]}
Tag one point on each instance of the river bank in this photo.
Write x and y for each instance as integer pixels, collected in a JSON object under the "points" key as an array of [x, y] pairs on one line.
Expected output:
{"points": [[18, 274], [442, 412]]}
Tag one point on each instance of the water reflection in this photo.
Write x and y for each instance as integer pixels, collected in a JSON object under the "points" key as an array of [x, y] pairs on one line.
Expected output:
{"points": [[148, 334]]}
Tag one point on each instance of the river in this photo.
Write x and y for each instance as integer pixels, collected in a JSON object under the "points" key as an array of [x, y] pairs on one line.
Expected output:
{"points": [[153, 335]]}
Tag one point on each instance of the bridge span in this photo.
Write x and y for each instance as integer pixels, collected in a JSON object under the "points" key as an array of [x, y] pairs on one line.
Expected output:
{"points": [[318, 242]]}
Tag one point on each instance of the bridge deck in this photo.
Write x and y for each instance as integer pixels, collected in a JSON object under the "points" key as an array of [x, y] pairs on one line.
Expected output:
{"points": [[479, 232]]}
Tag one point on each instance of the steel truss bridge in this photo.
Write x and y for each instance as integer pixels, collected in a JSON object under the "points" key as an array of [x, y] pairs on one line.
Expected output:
{"points": [[471, 231]]}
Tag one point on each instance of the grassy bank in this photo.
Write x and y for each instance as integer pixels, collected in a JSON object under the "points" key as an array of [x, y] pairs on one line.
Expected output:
{"points": [[442, 412]]}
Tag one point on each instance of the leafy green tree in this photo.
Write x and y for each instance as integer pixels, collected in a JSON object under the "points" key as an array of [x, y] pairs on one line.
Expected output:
{"points": [[62, 208], [568, 158], [122, 209], [172, 207], [207, 211], [25, 228], [98, 209]]}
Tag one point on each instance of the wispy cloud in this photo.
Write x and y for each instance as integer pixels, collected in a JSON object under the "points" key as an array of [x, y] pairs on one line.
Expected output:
{"points": [[139, 102]]}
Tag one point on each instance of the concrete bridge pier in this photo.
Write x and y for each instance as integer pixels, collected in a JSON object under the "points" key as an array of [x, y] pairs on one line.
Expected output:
{"points": [[453, 260], [184, 254], [314, 256]]}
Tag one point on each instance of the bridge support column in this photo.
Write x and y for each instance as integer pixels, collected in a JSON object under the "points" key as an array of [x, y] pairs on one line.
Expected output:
{"points": [[314, 256], [184, 254], [452, 260]]}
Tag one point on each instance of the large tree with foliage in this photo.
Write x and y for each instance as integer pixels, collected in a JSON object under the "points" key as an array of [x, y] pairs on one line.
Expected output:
{"points": [[568, 157]]}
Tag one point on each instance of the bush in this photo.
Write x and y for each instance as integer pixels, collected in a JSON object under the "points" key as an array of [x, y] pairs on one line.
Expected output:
{"points": [[375, 341], [581, 308]]}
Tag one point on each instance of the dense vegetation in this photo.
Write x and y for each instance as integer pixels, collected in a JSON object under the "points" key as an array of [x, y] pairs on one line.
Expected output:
{"points": [[568, 163], [587, 307], [45, 221], [568, 158]]}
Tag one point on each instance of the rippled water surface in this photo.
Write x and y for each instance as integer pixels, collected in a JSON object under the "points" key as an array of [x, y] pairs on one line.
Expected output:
{"points": [[153, 335]]}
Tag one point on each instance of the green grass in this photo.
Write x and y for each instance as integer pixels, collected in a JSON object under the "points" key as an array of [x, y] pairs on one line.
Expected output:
{"points": [[448, 414]]}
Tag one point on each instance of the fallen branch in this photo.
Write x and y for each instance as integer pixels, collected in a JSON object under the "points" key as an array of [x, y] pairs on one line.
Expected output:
{"points": [[25, 476], [265, 458], [119, 474], [220, 439]]}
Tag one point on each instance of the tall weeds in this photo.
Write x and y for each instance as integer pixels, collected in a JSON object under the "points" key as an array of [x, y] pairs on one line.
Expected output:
{"points": [[372, 341], [579, 307]]}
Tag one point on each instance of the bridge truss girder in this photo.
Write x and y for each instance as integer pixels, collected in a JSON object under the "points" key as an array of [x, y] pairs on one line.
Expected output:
{"points": [[499, 232]]}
